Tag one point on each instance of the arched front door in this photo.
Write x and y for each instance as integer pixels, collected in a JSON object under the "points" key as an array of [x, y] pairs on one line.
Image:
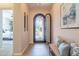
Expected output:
{"points": [[39, 28]]}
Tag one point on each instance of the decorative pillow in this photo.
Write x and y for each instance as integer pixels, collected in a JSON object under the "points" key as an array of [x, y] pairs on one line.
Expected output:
{"points": [[58, 41], [64, 49], [74, 49], [73, 45]]}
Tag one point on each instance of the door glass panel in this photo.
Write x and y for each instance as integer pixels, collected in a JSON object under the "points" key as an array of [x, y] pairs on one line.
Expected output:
{"points": [[7, 24], [39, 28]]}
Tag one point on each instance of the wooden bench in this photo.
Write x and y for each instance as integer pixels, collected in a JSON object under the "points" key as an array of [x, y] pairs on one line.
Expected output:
{"points": [[54, 50]]}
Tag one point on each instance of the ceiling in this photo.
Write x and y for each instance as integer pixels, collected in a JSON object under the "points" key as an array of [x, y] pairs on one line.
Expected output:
{"points": [[39, 5]]}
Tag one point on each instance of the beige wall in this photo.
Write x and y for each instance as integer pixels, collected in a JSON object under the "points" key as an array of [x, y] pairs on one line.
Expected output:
{"points": [[20, 37], [33, 12], [66, 34]]}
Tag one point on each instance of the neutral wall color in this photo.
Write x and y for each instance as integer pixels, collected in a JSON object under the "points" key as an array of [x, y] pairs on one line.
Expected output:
{"points": [[33, 12], [20, 36], [71, 35]]}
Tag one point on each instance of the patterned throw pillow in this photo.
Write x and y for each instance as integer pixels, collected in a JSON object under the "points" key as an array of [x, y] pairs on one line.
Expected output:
{"points": [[74, 49], [58, 41]]}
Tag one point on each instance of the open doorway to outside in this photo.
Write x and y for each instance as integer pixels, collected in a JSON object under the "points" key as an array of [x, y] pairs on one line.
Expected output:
{"points": [[7, 31], [39, 28]]}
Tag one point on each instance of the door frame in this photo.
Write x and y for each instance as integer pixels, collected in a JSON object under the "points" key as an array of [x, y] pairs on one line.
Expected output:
{"points": [[34, 19], [48, 14], [13, 28]]}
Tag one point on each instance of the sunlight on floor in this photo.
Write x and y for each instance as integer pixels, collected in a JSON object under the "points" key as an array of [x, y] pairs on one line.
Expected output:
{"points": [[38, 49], [7, 48]]}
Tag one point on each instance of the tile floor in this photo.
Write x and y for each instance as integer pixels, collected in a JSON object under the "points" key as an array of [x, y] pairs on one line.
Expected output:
{"points": [[38, 49]]}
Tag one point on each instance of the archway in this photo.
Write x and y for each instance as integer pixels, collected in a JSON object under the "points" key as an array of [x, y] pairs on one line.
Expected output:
{"points": [[39, 28]]}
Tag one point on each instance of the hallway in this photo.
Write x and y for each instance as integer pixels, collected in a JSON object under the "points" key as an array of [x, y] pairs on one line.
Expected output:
{"points": [[38, 49], [33, 24]]}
